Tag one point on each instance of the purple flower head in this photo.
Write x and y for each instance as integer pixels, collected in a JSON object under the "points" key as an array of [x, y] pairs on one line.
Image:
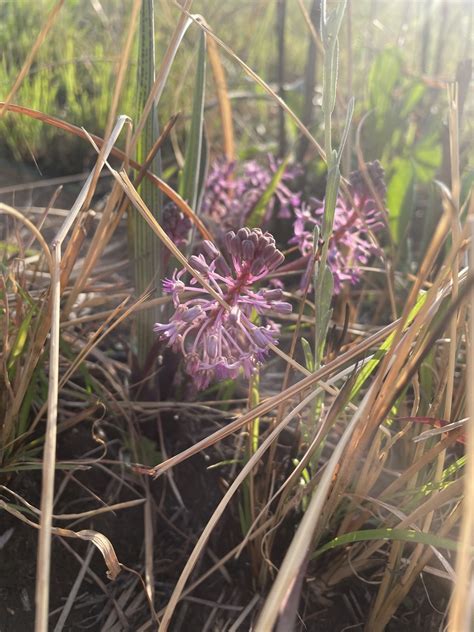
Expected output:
{"points": [[215, 342], [176, 224], [350, 245], [232, 191]]}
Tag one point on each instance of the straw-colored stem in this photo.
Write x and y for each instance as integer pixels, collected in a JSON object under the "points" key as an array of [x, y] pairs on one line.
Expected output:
{"points": [[461, 616], [49, 454]]}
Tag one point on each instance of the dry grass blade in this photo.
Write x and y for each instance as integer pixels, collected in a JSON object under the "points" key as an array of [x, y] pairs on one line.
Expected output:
{"points": [[74, 591], [462, 607], [253, 75], [242, 475], [98, 539], [109, 312], [299, 548], [117, 153], [123, 65], [49, 454], [223, 99], [83, 515]]}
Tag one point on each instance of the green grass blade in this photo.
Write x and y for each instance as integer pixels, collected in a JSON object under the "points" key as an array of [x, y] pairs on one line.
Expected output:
{"points": [[189, 182], [20, 340], [402, 535], [347, 127], [258, 213], [145, 245], [370, 367]]}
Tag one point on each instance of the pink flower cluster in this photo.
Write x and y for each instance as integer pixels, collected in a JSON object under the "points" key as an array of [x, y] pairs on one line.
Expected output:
{"points": [[350, 245], [216, 342], [233, 190]]}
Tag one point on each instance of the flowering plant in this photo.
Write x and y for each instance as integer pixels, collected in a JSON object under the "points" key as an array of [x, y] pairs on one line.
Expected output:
{"points": [[232, 191], [218, 338], [350, 244]]}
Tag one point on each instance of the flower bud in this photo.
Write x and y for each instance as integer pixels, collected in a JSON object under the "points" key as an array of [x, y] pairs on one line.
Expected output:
{"points": [[235, 247], [261, 336], [191, 314], [222, 267], [198, 264], [248, 250], [212, 346], [268, 251], [228, 239], [257, 266], [210, 250], [282, 307], [243, 233], [272, 295], [275, 260]]}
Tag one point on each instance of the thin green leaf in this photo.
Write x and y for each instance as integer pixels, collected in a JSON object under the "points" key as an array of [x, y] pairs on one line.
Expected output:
{"points": [[256, 216], [189, 183], [254, 386], [325, 286], [370, 366], [308, 354], [145, 247], [403, 535], [345, 131], [400, 197], [20, 340], [332, 189]]}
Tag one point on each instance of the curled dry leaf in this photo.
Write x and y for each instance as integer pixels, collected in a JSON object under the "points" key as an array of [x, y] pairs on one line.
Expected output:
{"points": [[98, 539]]}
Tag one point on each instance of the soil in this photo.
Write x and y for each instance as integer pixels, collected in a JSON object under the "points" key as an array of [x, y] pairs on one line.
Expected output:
{"points": [[175, 534]]}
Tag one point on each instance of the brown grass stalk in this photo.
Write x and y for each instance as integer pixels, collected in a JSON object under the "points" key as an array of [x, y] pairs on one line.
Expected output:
{"points": [[117, 153], [49, 454], [253, 75], [123, 66], [461, 614], [223, 99]]}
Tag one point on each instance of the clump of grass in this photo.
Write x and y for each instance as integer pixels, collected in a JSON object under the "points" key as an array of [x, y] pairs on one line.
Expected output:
{"points": [[327, 468]]}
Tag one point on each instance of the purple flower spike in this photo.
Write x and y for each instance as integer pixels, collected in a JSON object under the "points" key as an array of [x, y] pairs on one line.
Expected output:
{"points": [[176, 224], [215, 342], [349, 245], [233, 189]]}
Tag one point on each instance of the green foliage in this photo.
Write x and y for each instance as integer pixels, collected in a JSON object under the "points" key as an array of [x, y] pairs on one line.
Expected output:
{"points": [[258, 212], [308, 355], [402, 535], [72, 76], [145, 246], [189, 185], [400, 133], [400, 196]]}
